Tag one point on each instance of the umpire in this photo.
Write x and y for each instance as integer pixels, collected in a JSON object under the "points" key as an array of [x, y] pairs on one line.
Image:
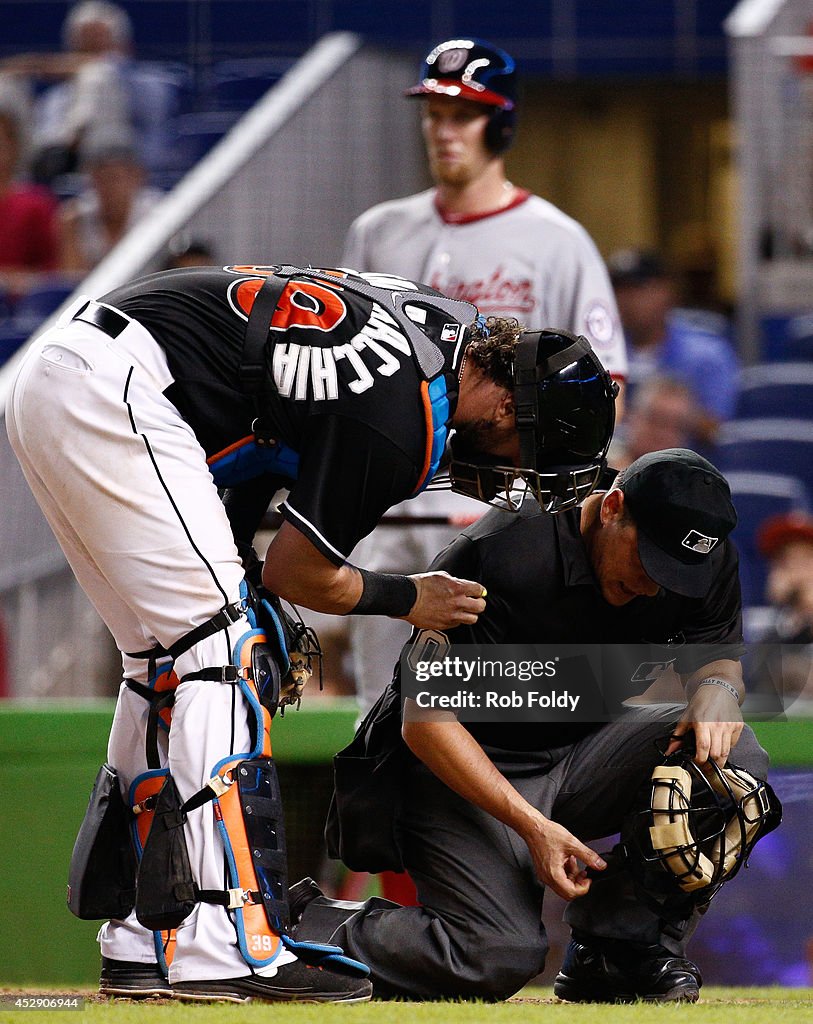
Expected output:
{"points": [[490, 814]]}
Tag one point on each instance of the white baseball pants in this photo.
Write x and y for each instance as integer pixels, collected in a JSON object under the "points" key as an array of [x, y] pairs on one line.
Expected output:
{"points": [[124, 484]]}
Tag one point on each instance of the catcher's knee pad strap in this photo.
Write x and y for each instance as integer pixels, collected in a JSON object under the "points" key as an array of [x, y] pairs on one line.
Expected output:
{"points": [[101, 877]]}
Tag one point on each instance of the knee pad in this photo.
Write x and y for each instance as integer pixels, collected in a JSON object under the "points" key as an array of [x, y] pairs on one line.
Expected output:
{"points": [[101, 877], [143, 798]]}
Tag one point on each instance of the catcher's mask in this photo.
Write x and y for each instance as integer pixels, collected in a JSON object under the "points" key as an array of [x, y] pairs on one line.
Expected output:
{"points": [[565, 413], [699, 823]]}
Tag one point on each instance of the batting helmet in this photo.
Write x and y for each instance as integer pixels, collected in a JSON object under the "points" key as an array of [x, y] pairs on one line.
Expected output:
{"points": [[698, 824], [565, 414], [472, 69]]}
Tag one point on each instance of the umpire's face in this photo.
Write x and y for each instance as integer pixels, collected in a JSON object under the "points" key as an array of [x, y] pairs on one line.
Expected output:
{"points": [[614, 554]]}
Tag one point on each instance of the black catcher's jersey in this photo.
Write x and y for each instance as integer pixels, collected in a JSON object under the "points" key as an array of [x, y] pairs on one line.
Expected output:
{"points": [[541, 589], [347, 401]]}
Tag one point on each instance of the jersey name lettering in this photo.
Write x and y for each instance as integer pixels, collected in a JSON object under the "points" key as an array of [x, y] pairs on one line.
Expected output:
{"points": [[296, 367]]}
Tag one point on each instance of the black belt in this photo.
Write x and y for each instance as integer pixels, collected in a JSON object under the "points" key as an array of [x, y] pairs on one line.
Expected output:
{"points": [[106, 319]]}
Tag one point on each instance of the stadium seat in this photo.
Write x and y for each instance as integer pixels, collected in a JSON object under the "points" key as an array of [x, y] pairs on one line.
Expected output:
{"points": [[40, 302], [798, 341], [12, 338], [783, 446], [6, 305], [776, 390], [197, 133], [757, 496], [238, 84]]}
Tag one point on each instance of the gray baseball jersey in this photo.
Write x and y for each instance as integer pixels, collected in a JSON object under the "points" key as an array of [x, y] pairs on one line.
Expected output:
{"points": [[528, 260]]}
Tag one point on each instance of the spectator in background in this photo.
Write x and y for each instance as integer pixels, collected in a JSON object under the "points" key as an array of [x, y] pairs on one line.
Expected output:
{"points": [[660, 414], [189, 252], [116, 198], [100, 86], [786, 541], [28, 230], [691, 345]]}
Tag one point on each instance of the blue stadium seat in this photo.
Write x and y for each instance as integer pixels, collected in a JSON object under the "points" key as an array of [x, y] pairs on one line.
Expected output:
{"points": [[776, 389], [197, 133], [757, 496], [12, 338], [798, 342], [783, 446], [238, 84], [40, 302], [179, 81]]}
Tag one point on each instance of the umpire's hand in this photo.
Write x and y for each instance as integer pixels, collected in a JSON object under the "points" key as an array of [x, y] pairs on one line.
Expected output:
{"points": [[444, 601], [558, 856]]}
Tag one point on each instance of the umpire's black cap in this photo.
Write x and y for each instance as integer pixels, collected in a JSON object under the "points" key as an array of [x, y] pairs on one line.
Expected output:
{"points": [[682, 507]]}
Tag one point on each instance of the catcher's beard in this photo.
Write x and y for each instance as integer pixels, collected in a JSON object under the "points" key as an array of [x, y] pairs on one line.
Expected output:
{"points": [[478, 437]]}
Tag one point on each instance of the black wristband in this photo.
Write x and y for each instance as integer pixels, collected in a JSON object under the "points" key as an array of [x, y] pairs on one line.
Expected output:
{"points": [[385, 593]]}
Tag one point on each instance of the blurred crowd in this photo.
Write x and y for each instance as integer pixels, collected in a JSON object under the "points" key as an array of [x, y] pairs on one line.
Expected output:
{"points": [[85, 137]]}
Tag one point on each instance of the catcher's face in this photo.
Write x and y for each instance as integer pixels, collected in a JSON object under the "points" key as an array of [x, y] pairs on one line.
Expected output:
{"points": [[454, 132], [614, 555]]}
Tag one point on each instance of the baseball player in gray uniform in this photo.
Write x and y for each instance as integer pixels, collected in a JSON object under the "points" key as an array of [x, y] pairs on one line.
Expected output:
{"points": [[477, 236]]}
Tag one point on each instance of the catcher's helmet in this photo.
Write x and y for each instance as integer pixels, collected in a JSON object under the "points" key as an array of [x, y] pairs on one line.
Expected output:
{"points": [[471, 69], [697, 825], [565, 411]]}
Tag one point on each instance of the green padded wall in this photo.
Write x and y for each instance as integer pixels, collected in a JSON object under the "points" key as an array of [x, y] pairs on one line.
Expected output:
{"points": [[49, 756]]}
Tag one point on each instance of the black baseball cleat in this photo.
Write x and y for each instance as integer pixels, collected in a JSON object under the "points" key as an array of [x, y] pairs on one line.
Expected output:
{"points": [[648, 973], [293, 983], [130, 980]]}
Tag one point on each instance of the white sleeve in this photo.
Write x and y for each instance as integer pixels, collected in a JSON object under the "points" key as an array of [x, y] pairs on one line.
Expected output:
{"points": [[354, 256], [586, 298]]}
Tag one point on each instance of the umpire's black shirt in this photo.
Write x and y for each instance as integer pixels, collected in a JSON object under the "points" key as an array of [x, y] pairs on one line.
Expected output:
{"points": [[541, 589]]}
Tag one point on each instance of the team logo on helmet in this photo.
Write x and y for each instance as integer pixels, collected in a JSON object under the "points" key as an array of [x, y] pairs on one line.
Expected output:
{"points": [[451, 60], [699, 542]]}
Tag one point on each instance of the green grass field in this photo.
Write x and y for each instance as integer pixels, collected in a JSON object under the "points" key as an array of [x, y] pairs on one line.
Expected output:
{"points": [[718, 1006]]}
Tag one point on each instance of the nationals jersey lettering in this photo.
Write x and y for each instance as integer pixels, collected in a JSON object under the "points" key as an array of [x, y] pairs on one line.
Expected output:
{"points": [[530, 261], [492, 295]]}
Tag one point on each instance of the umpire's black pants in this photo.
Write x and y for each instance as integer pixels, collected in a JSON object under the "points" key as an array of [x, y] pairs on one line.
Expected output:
{"points": [[478, 931]]}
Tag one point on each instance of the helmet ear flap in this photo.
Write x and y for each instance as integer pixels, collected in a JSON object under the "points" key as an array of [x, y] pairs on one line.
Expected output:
{"points": [[500, 129]]}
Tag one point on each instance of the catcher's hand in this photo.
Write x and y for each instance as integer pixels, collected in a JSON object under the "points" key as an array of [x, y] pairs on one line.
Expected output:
{"points": [[294, 683], [295, 645]]}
